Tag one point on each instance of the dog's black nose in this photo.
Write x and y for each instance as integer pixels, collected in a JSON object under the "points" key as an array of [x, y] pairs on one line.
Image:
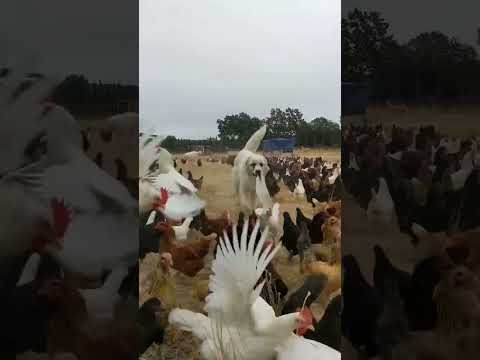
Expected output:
{"points": [[258, 173]]}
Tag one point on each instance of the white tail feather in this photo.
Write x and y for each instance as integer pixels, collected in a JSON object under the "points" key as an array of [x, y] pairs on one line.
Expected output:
{"points": [[256, 139]]}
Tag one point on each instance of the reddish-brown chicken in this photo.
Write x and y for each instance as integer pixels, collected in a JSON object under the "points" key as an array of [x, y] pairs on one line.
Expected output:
{"points": [[202, 243], [209, 226], [71, 330], [186, 259]]}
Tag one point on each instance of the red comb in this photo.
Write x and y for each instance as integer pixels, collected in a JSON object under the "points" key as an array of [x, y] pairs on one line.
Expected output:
{"points": [[161, 201], [164, 196], [307, 315], [62, 216]]}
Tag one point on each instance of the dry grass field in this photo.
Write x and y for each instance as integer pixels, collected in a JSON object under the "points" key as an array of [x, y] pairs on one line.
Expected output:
{"points": [[217, 190], [462, 121]]}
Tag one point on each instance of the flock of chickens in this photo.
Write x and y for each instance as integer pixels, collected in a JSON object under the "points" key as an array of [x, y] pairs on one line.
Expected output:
{"points": [[249, 312], [69, 230], [427, 186], [73, 278]]}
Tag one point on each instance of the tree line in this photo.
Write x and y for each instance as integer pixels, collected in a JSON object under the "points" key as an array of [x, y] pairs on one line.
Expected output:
{"points": [[430, 67], [235, 130], [81, 96]]}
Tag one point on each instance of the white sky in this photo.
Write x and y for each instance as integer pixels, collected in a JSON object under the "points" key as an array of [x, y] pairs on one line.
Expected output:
{"points": [[202, 60], [459, 19]]}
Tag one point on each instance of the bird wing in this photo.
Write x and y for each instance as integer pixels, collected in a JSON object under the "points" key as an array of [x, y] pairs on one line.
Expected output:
{"points": [[147, 154], [262, 314], [31, 175], [173, 182], [236, 271], [85, 186]]}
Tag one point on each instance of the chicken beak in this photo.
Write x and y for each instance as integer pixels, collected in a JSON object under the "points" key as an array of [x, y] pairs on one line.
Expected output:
{"points": [[311, 328]]}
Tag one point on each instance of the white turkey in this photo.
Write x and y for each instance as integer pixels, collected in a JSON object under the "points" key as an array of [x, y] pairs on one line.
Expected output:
{"points": [[240, 324]]}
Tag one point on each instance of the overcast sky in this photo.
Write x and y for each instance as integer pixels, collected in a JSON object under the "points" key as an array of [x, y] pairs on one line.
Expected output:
{"points": [[408, 18], [202, 60], [96, 38]]}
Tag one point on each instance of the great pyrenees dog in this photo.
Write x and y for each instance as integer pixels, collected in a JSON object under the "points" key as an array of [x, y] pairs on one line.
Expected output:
{"points": [[249, 170]]}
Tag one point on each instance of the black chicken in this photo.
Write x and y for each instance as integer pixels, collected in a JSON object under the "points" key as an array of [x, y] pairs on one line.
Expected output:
{"points": [[327, 330], [304, 242], [272, 184], [151, 324], [384, 273], [315, 228], [290, 235], [313, 283], [419, 305], [302, 218], [362, 307]]}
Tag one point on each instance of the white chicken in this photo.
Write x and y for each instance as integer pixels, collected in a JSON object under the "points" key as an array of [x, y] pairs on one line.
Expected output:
{"points": [[333, 177], [181, 231], [123, 125], [104, 213], [271, 218], [353, 162], [192, 154], [101, 302], [459, 177], [299, 190], [240, 324], [23, 135], [182, 201], [381, 208]]}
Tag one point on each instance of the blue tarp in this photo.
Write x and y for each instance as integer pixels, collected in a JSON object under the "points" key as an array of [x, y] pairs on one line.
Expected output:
{"points": [[354, 98], [279, 144]]}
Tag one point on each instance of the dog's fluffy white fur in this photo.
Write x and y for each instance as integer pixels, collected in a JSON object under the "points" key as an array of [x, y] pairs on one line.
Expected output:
{"points": [[246, 168]]}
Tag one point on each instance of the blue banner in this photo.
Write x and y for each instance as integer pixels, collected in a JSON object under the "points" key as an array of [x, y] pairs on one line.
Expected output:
{"points": [[279, 144]]}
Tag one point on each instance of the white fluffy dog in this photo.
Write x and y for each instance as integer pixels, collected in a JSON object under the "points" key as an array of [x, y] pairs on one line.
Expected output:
{"points": [[248, 168]]}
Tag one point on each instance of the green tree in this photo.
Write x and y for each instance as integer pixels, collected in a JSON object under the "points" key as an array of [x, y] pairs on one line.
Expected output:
{"points": [[365, 37], [235, 130], [170, 143], [283, 123], [320, 131]]}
